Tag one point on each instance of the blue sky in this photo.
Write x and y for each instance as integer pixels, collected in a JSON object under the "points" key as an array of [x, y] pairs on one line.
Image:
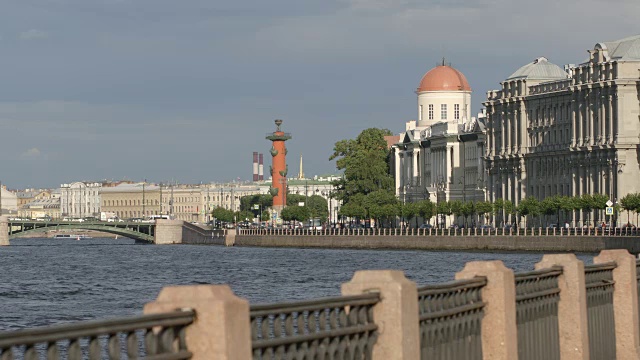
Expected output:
{"points": [[187, 90]]}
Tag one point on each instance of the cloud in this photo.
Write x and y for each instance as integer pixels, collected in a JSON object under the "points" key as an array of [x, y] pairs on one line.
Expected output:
{"points": [[31, 154], [33, 34]]}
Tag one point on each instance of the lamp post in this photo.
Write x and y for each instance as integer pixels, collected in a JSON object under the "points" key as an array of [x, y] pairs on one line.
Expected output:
{"points": [[440, 186]]}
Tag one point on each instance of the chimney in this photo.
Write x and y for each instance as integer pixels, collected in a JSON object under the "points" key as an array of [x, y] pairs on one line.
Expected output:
{"points": [[260, 168], [255, 166]]}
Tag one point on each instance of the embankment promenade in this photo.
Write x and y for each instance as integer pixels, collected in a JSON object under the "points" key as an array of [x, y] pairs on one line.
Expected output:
{"points": [[538, 240]]}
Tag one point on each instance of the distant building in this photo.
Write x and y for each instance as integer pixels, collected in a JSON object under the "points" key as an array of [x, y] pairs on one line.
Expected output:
{"points": [[131, 200], [39, 209], [80, 199], [438, 157], [572, 131], [9, 201]]}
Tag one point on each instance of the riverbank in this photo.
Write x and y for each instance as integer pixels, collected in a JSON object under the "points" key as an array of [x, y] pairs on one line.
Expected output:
{"points": [[577, 243]]}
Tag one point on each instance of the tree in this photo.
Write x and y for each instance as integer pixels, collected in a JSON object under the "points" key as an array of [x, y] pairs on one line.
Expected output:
{"points": [[244, 215], [295, 213], [567, 204], [551, 206], [317, 206], [468, 209], [529, 206], [426, 209], [443, 208], [222, 214], [586, 204], [456, 208], [630, 202], [484, 207], [381, 204], [354, 208], [599, 202], [365, 161], [498, 206], [509, 208], [410, 211]]}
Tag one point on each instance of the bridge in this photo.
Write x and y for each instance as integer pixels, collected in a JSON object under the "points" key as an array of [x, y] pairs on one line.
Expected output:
{"points": [[141, 232], [158, 232]]}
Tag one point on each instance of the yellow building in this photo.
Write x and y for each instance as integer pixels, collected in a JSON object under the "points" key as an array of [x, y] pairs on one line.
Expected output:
{"points": [[131, 200]]}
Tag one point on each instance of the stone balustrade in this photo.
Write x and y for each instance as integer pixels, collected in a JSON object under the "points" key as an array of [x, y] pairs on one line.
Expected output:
{"points": [[563, 309]]}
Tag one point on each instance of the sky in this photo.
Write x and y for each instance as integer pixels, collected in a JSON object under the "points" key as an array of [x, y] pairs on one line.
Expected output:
{"points": [[186, 90]]}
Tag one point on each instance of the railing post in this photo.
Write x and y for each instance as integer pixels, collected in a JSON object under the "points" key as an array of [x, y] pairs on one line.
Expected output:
{"points": [[221, 329], [625, 302], [395, 314], [499, 340], [572, 307]]}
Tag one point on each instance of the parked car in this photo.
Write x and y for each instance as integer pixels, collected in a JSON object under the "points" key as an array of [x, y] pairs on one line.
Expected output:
{"points": [[426, 226], [486, 227]]}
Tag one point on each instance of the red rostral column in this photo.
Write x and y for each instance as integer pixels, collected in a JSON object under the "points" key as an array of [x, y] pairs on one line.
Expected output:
{"points": [[279, 167]]}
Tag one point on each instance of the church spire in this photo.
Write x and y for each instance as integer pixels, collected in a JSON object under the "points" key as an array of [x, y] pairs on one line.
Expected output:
{"points": [[301, 173]]}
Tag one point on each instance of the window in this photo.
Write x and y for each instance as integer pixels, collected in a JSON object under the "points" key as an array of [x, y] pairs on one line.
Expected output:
{"points": [[420, 113], [430, 111], [456, 111], [443, 111]]}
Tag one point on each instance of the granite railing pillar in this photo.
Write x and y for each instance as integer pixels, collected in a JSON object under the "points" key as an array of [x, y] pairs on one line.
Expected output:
{"points": [[221, 329], [168, 232], [625, 302], [395, 314], [499, 330], [230, 237], [4, 231], [572, 307]]}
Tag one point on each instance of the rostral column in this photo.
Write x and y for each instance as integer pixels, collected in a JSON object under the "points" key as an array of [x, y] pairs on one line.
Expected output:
{"points": [[279, 167]]}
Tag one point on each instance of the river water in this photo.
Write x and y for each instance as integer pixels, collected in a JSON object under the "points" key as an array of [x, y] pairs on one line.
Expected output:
{"points": [[47, 281]]}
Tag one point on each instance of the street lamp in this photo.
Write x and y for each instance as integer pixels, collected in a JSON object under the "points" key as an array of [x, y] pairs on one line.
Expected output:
{"points": [[440, 186]]}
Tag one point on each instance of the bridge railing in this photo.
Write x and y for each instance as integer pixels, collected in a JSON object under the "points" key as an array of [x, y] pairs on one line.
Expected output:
{"points": [[561, 310], [600, 287], [537, 297], [340, 327], [156, 336], [451, 319]]}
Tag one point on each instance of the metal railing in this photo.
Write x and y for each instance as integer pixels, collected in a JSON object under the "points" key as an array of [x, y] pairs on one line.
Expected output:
{"points": [[151, 337], [600, 285], [330, 328], [450, 320], [638, 280], [577, 231], [537, 296]]}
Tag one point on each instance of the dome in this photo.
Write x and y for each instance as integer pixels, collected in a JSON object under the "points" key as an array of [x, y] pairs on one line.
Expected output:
{"points": [[539, 69], [444, 78]]}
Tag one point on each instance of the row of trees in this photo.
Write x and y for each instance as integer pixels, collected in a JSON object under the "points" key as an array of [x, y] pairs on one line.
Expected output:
{"points": [[631, 203]]}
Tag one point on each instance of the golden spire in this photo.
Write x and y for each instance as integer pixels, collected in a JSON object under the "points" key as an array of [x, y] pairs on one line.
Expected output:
{"points": [[301, 173]]}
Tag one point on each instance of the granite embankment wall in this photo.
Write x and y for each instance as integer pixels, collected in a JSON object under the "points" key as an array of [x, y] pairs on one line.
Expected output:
{"points": [[195, 235], [433, 242]]}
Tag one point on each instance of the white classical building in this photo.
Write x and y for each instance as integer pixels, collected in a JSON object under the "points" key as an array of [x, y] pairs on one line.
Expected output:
{"points": [[80, 199], [439, 156], [567, 131]]}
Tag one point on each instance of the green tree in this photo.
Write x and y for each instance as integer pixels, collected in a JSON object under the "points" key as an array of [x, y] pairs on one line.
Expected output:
{"points": [[456, 208], [381, 204], [426, 209], [567, 204], [295, 213], [296, 199], [529, 206], [222, 214], [484, 207], [498, 207], [244, 215], [468, 209], [443, 208], [365, 161], [317, 206], [551, 206], [509, 209], [586, 204], [630, 202], [354, 208], [410, 211], [599, 202]]}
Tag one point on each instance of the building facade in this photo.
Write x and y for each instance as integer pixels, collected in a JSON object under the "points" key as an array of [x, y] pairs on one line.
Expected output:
{"points": [[567, 131], [131, 200], [80, 199], [439, 156]]}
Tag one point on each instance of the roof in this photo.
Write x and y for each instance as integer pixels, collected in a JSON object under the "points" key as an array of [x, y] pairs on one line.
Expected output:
{"points": [[623, 49], [444, 78], [539, 69], [391, 140]]}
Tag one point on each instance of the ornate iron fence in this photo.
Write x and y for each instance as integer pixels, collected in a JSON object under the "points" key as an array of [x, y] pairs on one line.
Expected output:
{"points": [[152, 337], [450, 320], [330, 328], [537, 296], [600, 285]]}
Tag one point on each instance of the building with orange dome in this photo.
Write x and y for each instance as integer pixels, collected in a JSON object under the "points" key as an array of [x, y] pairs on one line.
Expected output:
{"points": [[439, 155]]}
